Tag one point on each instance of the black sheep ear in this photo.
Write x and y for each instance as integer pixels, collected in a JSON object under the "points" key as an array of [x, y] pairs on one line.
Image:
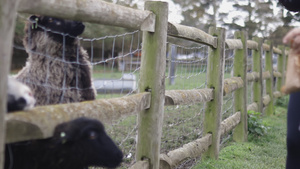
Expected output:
{"points": [[34, 19]]}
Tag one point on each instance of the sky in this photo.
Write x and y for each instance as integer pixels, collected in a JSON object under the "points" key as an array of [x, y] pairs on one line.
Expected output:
{"points": [[226, 7], [174, 10]]}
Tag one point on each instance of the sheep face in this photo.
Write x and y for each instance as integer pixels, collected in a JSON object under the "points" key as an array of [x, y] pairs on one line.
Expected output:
{"points": [[60, 30], [85, 143], [76, 144]]}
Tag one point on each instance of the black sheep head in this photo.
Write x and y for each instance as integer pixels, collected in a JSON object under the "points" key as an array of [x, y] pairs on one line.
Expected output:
{"points": [[84, 142], [61, 30]]}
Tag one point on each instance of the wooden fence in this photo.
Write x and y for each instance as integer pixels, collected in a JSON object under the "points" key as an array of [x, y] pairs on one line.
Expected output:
{"points": [[149, 103]]}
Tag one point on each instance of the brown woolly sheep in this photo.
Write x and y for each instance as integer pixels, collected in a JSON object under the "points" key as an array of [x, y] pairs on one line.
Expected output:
{"points": [[57, 69]]}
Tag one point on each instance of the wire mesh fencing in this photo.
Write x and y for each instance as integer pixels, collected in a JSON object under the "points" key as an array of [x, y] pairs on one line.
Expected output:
{"points": [[186, 70]]}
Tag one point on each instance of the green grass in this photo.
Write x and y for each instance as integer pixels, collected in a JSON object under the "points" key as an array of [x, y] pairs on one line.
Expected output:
{"points": [[266, 152]]}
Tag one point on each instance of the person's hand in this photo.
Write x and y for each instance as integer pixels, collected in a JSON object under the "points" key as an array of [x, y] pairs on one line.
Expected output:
{"points": [[292, 38]]}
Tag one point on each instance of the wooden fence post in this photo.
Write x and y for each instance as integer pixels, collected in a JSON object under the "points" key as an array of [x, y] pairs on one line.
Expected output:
{"points": [[270, 81], [8, 10], [257, 67], [215, 78], [280, 68], [240, 95], [152, 78]]}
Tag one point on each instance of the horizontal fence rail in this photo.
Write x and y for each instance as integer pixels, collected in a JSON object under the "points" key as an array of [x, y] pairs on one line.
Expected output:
{"points": [[92, 11], [198, 147], [232, 84], [253, 76], [40, 122], [186, 97], [191, 33]]}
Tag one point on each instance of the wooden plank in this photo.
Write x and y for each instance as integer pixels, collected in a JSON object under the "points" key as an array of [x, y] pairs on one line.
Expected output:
{"points": [[234, 44], [140, 165], [40, 122], [187, 97], [266, 75], [277, 50], [190, 150], [192, 34], [232, 84], [266, 100], [253, 76], [266, 47], [96, 11], [251, 44], [252, 106], [152, 78], [7, 26], [277, 75], [240, 96], [196, 148], [215, 77], [277, 94], [230, 123]]}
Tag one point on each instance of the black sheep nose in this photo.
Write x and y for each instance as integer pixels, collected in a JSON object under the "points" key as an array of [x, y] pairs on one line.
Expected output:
{"points": [[75, 28], [77, 24], [120, 155]]}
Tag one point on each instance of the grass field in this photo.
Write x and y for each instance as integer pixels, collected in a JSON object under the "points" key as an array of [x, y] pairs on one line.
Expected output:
{"points": [[266, 152]]}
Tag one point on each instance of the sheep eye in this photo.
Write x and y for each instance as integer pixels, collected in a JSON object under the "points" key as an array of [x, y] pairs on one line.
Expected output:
{"points": [[30, 94], [58, 23], [62, 134], [92, 135]]}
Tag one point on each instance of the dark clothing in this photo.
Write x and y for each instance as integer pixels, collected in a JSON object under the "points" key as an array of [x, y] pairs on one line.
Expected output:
{"points": [[293, 132], [291, 5]]}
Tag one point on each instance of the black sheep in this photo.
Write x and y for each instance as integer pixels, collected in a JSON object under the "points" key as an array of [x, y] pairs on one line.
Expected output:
{"points": [[77, 144]]}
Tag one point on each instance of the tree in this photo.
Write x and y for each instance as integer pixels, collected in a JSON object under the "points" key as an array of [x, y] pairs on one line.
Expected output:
{"points": [[196, 12], [258, 16]]}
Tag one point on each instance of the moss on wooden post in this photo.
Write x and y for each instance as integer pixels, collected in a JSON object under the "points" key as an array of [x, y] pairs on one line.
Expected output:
{"points": [[269, 82], [240, 95], [8, 10], [152, 78], [257, 67], [215, 77]]}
